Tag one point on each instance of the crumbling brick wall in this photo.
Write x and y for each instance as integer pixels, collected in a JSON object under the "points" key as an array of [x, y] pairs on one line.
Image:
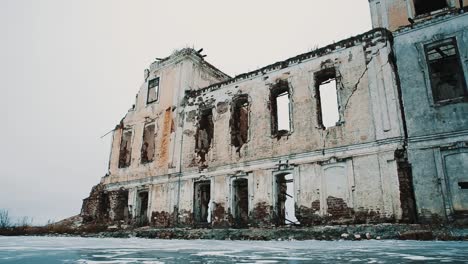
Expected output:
{"points": [[95, 207]]}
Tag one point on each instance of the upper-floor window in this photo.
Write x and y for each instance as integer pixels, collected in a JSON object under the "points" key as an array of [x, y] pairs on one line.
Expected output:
{"points": [[327, 98], [427, 6], [125, 148], [205, 133], [148, 145], [445, 71], [239, 122], [280, 107], [153, 91]]}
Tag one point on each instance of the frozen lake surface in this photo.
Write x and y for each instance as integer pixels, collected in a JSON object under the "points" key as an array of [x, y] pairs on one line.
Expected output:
{"points": [[134, 250]]}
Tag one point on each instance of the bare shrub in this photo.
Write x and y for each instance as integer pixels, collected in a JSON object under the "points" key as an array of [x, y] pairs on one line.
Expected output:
{"points": [[24, 222], [5, 220]]}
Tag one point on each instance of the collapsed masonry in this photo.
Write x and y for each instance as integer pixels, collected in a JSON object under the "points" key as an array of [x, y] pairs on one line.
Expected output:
{"points": [[201, 149]]}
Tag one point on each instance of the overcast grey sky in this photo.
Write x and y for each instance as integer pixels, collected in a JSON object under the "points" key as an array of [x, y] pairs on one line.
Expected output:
{"points": [[69, 71]]}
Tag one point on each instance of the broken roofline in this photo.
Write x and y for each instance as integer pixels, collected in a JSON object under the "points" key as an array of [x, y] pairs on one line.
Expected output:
{"points": [[343, 44], [426, 20], [184, 53]]}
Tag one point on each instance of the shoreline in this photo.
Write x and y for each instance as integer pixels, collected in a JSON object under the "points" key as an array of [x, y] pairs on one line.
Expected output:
{"points": [[348, 232]]}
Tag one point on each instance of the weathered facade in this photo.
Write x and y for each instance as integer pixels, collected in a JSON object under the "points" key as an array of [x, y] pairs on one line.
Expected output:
{"points": [[200, 148], [432, 57]]}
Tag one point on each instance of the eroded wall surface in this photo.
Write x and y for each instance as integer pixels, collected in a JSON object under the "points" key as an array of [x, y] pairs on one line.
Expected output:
{"points": [[394, 14], [437, 125], [211, 131]]}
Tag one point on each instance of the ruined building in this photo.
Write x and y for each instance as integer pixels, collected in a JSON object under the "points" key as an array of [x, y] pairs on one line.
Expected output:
{"points": [[370, 129]]}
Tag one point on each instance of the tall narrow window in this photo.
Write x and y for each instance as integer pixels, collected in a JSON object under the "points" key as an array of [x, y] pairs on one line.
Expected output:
{"points": [[125, 149], [204, 134], [147, 147], [153, 90], [239, 122], [327, 100], [427, 6], [445, 71], [280, 109]]}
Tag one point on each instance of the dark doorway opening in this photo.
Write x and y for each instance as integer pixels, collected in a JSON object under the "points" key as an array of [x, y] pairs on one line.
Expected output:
{"points": [[285, 205], [202, 202], [241, 202], [142, 218]]}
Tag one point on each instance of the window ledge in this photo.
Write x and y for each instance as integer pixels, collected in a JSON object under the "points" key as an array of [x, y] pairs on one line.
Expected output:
{"points": [[281, 133], [152, 102], [424, 16], [451, 101]]}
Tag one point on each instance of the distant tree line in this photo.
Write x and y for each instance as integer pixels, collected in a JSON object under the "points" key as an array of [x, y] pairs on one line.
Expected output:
{"points": [[6, 221]]}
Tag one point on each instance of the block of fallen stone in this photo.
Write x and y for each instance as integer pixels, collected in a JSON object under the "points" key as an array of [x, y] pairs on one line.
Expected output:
{"points": [[344, 236], [368, 236], [112, 228], [357, 237]]}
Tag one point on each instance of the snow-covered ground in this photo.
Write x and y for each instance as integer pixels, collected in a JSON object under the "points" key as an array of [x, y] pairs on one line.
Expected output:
{"points": [[135, 250]]}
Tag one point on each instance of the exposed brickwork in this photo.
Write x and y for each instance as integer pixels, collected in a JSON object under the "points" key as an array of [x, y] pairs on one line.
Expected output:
{"points": [[406, 192], [220, 217], [185, 218], [162, 219], [95, 208], [118, 205], [261, 214], [337, 208]]}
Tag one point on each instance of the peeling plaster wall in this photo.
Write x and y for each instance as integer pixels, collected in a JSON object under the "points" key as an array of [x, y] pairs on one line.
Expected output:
{"points": [[367, 105], [394, 14], [185, 71], [436, 132]]}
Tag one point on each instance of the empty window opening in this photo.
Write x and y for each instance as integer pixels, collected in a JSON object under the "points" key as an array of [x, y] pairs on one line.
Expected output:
{"points": [[282, 103], [463, 185], [204, 135], [285, 207], [241, 202], [125, 149], [153, 90], [445, 70], [239, 122], [142, 208], [427, 6], [327, 99], [280, 106], [202, 199], [147, 147]]}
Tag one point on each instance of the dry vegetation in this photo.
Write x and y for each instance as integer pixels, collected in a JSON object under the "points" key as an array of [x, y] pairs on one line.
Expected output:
{"points": [[24, 226]]}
